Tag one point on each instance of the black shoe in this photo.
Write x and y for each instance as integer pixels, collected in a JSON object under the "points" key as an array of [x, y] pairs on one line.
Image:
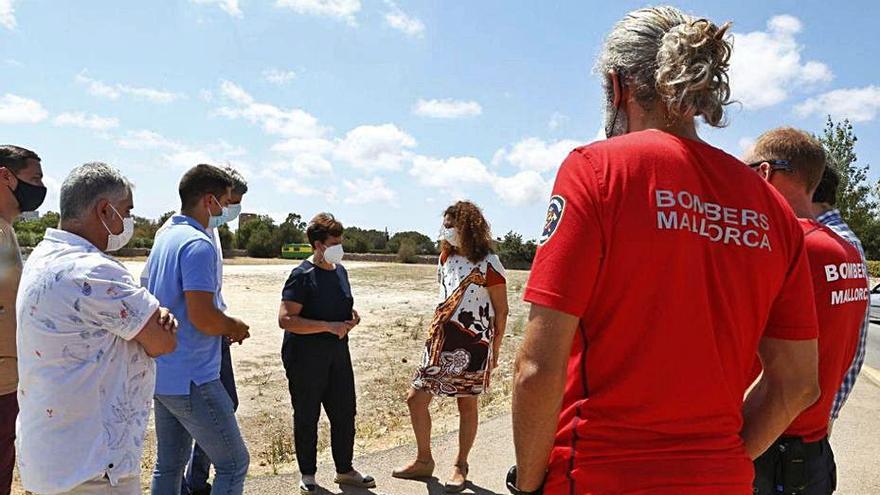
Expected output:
{"points": [[204, 491], [307, 488]]}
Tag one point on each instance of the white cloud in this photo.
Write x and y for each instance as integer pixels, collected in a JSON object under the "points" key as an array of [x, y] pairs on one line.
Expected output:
{"points": [[766, 65], [746, 143], [15, 109], [403, 22], [114, 91], [375, 147], [11, 61], [557, 120], [447, 108], [536, 154], [292, 123], [279, 77], [231, 7], [7, 14], [364, 191], [285, 183], [304, 165], [339, 9], [453, 173], [523, 189], [147, 140], [86, 121], [855, 104]]}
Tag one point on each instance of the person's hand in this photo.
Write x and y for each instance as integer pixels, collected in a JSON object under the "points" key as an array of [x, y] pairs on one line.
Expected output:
{"points": [[496, 350], [356, 318], [240, 331], [340, 328], [167, 320]]}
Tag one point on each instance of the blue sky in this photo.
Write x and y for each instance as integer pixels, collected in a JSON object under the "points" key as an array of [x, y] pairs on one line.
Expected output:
{"points": [[384, 112]]}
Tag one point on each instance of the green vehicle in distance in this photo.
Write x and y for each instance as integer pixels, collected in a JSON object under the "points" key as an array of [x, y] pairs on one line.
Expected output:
{"points": [[296, 251]]}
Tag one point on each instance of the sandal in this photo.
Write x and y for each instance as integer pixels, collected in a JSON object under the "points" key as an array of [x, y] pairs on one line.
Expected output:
{"points": [[354, 478], [453, 486], [418, 469], [307, 488]]}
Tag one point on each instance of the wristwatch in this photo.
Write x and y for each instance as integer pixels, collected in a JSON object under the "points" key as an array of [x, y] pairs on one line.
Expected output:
{"points": [[511, 484]]}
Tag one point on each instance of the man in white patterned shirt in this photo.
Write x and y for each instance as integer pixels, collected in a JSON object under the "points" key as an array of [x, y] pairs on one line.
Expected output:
{"points": [[87, 336], [824, 202]]}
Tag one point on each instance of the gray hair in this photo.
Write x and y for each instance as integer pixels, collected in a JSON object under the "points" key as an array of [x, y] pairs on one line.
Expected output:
{"points": [[239, 185], [88, 184], [664, 54]]}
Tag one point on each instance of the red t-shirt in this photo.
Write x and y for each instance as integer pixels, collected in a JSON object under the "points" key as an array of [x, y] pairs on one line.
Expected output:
{"points": [[841, 290], [676, 258]]}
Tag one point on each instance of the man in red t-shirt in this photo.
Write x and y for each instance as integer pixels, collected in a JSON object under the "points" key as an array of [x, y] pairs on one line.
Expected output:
{"points": [[665, 265], [801, 460]]}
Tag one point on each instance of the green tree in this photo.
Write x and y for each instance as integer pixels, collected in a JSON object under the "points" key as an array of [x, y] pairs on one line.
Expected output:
{"points": [[30, 232], [514, 252], [423, 243], [227, 239], [857, 200], [292, 230]]}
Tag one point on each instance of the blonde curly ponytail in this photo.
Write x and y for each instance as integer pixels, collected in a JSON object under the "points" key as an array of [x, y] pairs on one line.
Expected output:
{"points": [[672, 57]]}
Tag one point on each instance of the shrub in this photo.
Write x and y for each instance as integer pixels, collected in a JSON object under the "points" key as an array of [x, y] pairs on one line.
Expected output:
{"points": [[262, 244], [874, 268], [406, 253]]}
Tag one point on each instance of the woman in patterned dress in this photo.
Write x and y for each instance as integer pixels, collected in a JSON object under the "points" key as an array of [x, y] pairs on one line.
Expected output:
{"points": [[464, 338]]}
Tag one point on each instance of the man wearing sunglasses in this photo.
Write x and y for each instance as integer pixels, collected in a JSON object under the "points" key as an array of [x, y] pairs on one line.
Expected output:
{"points": [[801, 461]]}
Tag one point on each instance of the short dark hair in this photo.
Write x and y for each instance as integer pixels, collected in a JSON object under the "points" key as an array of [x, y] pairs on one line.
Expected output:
{"points": [[15, 158], [827, 190], [804, 151], [201, 180], [321, 227], [239, 185]]}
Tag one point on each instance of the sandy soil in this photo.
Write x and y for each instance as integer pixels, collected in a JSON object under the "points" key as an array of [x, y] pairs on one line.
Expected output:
{"points": [[395, 303]]}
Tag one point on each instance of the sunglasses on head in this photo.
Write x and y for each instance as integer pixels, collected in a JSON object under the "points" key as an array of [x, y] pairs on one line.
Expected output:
{"points": [[784, 165]]}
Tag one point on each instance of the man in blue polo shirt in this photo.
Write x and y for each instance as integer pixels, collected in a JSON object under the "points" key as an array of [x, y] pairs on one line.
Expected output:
{"points": [[190, 401]]}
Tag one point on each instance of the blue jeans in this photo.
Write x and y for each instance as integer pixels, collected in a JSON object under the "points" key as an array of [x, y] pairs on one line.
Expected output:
{"points": [[207, 416], [199, 467]]}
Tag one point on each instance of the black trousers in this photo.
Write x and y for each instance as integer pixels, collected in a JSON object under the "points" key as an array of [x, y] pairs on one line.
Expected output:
{"points": [[319, 373], [818, 466]]}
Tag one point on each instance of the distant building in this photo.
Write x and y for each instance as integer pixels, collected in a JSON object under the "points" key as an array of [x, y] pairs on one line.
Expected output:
{"points": [[246, 218]]}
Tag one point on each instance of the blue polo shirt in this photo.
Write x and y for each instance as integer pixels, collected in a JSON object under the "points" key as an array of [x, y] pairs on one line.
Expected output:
{"points": [[184, 259]]}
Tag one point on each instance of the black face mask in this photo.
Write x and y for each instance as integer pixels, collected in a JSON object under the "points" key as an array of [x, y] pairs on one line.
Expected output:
{"points": [[29, 196]]}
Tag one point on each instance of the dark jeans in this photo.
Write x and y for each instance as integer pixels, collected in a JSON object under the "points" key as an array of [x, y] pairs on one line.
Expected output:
{"points": [[8, 413], [319, 373], [821, 471], [199, 467]]}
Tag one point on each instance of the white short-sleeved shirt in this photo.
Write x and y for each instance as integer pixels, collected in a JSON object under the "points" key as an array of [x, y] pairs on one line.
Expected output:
{"points": [[85, 386]]}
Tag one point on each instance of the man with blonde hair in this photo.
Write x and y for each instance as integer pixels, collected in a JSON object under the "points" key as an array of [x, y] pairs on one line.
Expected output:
{"points": [[665, 266], [801, 460]]}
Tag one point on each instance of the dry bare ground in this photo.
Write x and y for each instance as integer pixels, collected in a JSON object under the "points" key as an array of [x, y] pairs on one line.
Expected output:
{"points": [[396, 304]]}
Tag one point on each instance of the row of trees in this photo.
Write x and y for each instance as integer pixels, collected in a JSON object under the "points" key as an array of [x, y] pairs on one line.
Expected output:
{"points": [[858, 201]]}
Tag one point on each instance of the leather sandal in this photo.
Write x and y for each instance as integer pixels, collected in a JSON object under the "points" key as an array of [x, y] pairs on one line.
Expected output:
{"points": [[418, 469], [452, 486]]}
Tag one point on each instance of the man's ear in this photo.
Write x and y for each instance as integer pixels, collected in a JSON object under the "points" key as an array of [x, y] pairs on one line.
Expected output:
{"points": [[764, 171], [8, 178], [616, 88]]}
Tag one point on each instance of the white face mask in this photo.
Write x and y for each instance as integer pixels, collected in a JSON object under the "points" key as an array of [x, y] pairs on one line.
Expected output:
{"points": [[450, 235], [334, 254], [116, 242], [218, 220], [231, 212]]}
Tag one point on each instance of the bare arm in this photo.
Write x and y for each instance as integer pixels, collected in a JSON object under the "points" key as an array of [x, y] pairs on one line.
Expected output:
{"points": [[539, 382], [211, 321], [789, 385], [289, 320], [158, 335], [498, 297]]}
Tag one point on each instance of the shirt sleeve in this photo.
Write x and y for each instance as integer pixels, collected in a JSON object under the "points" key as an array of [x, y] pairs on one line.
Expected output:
{"points": [[571, 251], [295, 288], [198, 266], [793, 314], [111, 296], [495, 273]]}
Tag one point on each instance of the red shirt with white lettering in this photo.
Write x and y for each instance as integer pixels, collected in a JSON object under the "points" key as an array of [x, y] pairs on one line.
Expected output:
{"points": [[677, 258], [841, 287]]}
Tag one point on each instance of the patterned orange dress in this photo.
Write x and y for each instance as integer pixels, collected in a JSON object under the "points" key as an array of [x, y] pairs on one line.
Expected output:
{"points": [[458, 351]]}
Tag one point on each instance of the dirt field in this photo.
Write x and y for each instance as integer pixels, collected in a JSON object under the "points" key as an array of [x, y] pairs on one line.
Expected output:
{"points": [[395, 303]]}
